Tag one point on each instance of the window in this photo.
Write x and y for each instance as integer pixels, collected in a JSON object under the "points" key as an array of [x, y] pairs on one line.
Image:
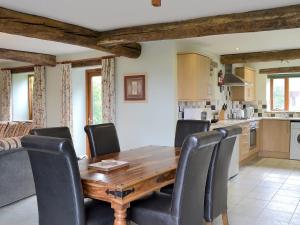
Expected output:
{"points": [[285, 92], [94, 96]]}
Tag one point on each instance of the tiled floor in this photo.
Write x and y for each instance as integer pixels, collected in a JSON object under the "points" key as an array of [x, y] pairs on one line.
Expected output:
{"points": [[267, 192]]}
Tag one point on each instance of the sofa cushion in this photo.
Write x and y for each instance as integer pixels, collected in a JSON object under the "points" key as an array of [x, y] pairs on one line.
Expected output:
{"points": [[10, 143], [3, 126], [11, 129], [23, 128]]}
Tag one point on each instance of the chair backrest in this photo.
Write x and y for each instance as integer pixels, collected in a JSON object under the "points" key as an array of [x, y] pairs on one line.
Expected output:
{"points": [[59, 132], [186, 127], [189, 189], [103, 139], [217, 179], [57, 180]]}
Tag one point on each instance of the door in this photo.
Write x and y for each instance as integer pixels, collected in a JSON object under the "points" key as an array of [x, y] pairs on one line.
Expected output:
{"points": [[93, 97], [93, 100]]}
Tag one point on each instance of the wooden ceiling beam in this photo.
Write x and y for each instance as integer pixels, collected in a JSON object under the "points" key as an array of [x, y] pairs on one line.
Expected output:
{"points": [[21, 69], [280, 70], [13, 22], [156, 3], [29, 57], [261, 56], [253, 21]]}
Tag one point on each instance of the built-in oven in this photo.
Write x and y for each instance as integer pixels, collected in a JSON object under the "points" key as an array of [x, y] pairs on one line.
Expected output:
{"points": [[253, 126]]}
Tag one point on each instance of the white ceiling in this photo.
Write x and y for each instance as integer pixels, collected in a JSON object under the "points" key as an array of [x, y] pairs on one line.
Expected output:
{"points": [[108, 14], [35, 45], [248, 42], [103, 15]]}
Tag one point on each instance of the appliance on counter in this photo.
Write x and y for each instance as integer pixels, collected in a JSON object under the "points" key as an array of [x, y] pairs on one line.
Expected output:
{"points": [[249, 112], [253, 134], [242, 114], [234, 166], [295, 140], [197, 114]]}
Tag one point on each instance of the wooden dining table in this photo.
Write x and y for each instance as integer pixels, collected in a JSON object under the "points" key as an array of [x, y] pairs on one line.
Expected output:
{"points": [[150, 168]]}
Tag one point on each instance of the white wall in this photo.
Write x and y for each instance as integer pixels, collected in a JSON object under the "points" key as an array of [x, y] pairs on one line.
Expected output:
{"points": [[53, 89], [79, 109], [151, 122], [20, 97], [138, 124]]}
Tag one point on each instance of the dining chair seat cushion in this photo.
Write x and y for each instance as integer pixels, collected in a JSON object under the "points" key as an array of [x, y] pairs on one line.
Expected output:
{"points": [[98, 213], [153, 210]]}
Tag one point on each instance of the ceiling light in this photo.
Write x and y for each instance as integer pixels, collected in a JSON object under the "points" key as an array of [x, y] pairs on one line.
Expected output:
{"points": [[237, 49]]}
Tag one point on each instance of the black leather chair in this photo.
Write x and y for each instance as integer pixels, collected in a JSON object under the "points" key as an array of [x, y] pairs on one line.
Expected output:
{"points": [[58, 186], [187, 127], [217, 179], [186, 205], [59, 132], [183, 129], [103, 139]]}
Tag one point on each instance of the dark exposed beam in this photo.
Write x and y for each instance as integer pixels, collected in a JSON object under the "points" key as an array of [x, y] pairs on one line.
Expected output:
{"points": [[253, 21], [261, 56], [293, 69], [156, 3], [86, 62], [23, 24], [29, 57], [21, 69]]}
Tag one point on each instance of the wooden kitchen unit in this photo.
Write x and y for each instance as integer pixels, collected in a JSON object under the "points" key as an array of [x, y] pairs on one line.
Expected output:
{"points": [[246, 93], [275, 138], [193, 77], [247, 152]]}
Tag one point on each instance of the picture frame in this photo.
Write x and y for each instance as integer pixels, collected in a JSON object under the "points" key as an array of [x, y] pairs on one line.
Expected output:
{"points": [[135, 87]]}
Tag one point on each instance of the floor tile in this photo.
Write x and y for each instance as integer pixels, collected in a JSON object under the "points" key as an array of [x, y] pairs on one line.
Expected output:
{"points": [[284, 207], [268, 215]]}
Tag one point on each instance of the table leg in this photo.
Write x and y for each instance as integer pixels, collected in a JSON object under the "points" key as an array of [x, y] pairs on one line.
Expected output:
{"points": [[120, 213]]}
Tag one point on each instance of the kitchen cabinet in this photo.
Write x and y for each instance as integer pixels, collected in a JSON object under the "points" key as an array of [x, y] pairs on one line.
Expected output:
{"points": [[244, 141], [275, 138], [246, 151], [245, 93], [193, 77]]}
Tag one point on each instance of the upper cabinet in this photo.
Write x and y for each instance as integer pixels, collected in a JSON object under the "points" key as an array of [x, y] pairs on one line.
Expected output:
{"points": [[193, 78], [246, 93]]}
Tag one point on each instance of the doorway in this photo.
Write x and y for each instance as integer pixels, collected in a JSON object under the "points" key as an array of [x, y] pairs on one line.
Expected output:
{"points": [[93, 99]]}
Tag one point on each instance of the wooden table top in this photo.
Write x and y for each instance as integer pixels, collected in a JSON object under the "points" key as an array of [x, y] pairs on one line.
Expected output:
{"points": [[150, 168]]}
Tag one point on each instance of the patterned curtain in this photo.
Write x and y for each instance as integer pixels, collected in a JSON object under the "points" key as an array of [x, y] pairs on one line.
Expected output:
{"points": [[6, 98], [108, 90], [66, 100], [39, 113]]}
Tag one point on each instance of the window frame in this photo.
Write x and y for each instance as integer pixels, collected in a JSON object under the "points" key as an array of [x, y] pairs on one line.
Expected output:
{"points": [[286, 78], [30, 80]]}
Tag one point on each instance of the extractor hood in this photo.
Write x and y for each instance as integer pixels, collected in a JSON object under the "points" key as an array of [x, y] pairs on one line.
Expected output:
{"points": [[232, 80]]}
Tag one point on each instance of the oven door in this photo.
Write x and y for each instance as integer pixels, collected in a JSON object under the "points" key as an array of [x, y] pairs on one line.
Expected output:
{"points": [[252, 138]]}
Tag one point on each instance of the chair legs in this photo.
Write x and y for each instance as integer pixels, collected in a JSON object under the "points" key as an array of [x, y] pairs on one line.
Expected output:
{"points": [[225, 218]]}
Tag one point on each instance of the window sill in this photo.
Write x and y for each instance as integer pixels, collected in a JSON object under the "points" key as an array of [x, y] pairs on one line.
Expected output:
{"points": [[282, 111]]}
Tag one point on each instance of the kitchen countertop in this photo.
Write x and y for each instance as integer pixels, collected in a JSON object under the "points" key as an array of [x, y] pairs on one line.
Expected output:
{"points": [[232, 122]]}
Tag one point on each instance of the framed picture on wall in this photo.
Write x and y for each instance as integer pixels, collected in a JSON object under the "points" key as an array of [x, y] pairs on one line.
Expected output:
{"points": [[135, 87]]}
